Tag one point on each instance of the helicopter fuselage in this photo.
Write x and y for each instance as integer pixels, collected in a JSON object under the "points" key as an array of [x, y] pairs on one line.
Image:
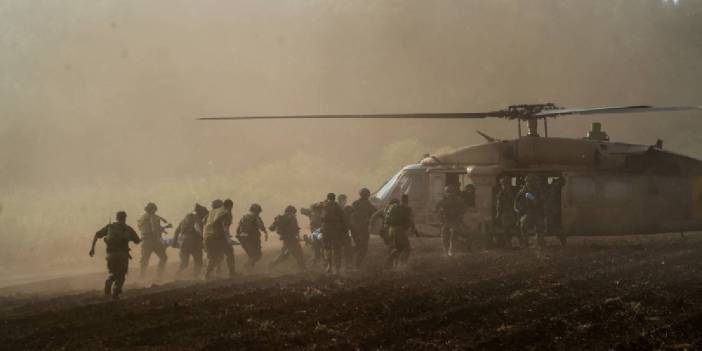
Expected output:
{"points": [[609, 188]]}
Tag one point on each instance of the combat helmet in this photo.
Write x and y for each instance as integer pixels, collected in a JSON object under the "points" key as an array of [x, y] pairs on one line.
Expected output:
{"points": [[290, 209], [364, 193], [255, 208], [151, 207]]}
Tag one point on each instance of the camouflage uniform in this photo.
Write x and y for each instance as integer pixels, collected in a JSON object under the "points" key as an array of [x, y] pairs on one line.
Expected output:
{"points": [[505, 214], [333, 229], [287, 228], [216, 234], [399, 220], [191, 228], [117, 237], [150, 227], [529, 203], [362, 212], [249, 234], [450, 210]]}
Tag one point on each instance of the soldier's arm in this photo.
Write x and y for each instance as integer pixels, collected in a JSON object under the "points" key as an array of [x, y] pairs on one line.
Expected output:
{"points": [[99, 234], [133, 237], [177, 232], [262, 227]]}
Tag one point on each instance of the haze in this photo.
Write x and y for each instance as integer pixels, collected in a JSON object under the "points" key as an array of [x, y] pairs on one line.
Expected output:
{"points": [[99, 98]]}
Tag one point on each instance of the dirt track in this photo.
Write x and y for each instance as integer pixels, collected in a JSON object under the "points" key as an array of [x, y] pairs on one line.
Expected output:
{"points": [[617, 293]]}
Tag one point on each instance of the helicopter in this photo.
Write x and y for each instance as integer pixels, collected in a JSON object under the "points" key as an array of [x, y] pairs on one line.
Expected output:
{"points": [[609, 188]]}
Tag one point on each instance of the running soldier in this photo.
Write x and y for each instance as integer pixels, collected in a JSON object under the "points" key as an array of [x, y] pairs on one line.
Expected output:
{"points": [[191, 229], [450, 211], [117, 236], [287, 228], [333, 228], [249, 234], [529, 203], [150, 227], [400, 220], [363, 210], [217, 240]]}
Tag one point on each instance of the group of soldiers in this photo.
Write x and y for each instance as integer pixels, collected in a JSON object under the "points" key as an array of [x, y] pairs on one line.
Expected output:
{"points": [[339, 232], [345, 235], [532, 209]]}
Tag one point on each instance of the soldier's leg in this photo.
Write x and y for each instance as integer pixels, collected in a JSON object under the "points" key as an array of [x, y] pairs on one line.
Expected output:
{"points": [[337, 251], [362, 237], [146, 251], [405, 248], [258, 251], [184, 255], [524, 231], [231, 263], [452, 233], [392, 248], [284, 253], [328, 247], [348, 251], [214, 257], [122, 266], [295, 250], [160, 251], [446, 238], [197, 261], [111, 268]]}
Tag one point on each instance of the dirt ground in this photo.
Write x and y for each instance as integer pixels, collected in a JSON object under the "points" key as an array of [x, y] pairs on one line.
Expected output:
{"points": [[596, 293]]}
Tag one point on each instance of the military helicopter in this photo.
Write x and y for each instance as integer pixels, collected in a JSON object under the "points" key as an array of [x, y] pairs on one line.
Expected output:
{"points": [[609, 188]]}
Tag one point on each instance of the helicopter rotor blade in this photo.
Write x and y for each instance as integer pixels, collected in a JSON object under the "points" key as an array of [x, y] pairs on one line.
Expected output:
{"points": [[613, 110], [368, 116]]}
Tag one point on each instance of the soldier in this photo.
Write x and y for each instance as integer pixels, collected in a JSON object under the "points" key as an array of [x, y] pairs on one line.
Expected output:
{"points": [[333, 228], [217, 240], [362, 212], [529, 203], [286, 226], [505, 215], [314, 212], [400, 220], [450, 210], [347, 249], [151, 230], [117, 237], [249, 234], [191, 228], [553, 209]]}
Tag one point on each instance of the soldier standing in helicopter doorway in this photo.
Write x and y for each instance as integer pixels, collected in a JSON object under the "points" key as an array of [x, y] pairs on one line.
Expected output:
{"points": [[150, 227], [450, 211], [529, 203], [506, 216]]}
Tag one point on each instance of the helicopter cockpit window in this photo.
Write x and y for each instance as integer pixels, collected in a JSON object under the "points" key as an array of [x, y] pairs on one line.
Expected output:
{"points": [[582, 189], [386, 190]]}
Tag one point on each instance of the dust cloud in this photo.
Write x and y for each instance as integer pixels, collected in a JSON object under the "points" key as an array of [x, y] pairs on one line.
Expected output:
{"points": [[100, 98]]}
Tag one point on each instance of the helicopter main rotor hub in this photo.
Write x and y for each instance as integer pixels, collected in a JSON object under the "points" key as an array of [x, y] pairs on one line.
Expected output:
{"points": [[529, 113]]}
